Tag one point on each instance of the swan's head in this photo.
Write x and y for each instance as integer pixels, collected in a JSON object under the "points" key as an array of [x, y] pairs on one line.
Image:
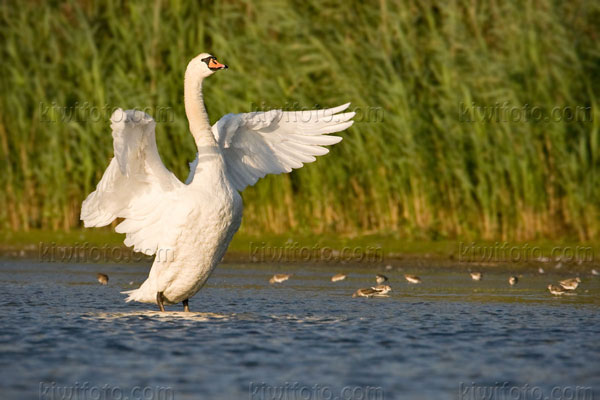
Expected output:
{"points": [[204, 65]]}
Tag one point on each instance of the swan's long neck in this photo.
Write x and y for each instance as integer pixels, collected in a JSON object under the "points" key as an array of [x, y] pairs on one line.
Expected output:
{"points": [[210, 167], [196, 114]]}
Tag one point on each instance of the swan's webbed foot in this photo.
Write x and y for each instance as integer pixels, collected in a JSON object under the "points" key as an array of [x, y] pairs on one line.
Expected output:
{"points": [[159, 301], [186, 305]]}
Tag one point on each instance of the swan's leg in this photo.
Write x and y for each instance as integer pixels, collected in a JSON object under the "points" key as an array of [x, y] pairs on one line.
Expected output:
{"points": [[186, 306], [159, 301]]}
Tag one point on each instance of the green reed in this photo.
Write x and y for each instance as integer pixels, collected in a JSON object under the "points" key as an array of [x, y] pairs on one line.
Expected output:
{"points": [[430, 156]]}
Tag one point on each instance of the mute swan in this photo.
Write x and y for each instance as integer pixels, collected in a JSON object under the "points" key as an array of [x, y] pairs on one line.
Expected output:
{"points": [[188, 226]]}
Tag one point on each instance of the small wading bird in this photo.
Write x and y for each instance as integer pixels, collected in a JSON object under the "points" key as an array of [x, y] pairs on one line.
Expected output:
{"points": [[595, 272], [188, 226], [368, 292], [278, 278], [513, 280], [476, 276], [375, 291], [102, 278], [556, 290], [412, 279], [382, 289], [570, 284], [380, 279], [338, 277]]}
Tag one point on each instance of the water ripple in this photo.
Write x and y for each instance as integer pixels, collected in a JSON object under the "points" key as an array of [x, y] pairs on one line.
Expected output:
{"points": [[59, 325]]}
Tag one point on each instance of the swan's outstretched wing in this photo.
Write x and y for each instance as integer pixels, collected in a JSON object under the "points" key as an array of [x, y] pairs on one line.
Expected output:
{"points": [[260, 143], [135, 186]]}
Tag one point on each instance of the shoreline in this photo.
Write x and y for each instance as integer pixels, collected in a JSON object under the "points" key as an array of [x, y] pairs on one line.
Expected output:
{"points": [[369, 250]]}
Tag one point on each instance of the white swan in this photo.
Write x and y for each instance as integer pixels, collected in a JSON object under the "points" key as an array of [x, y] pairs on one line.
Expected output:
{"points": [[188, 226]]}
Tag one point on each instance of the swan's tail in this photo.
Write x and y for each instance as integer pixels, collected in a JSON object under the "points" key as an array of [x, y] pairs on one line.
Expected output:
{"points": [[143, 294], [132, 295]]}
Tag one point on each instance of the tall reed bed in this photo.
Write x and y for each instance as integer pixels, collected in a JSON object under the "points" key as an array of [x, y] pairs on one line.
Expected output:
{"points": [[437, 150]]}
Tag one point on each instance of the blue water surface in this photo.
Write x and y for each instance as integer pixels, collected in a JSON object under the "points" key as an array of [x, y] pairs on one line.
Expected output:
{"points": [[63, 335]]}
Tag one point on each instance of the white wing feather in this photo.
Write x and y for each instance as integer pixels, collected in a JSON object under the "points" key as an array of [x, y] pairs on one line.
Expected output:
{"points": [[260, 143], [135, 186]]}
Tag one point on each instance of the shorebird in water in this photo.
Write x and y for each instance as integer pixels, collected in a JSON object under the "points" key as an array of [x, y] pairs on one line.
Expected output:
{"points": [[476, 276], [570, 284], [375, 291], [595, 272], [367, 292], [102, 278], [512, 281], [381, 278], [338, 277], [381, 289], [541, 270], [278, 278], [556, 290], [412, 279]]}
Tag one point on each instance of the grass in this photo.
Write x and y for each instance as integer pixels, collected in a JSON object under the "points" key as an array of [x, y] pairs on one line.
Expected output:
{"points": [[367, 250], [244, 245], [432, 156]]}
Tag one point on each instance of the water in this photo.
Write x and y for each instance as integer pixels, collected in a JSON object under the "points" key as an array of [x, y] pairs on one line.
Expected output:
{"points": [[65, 336]]}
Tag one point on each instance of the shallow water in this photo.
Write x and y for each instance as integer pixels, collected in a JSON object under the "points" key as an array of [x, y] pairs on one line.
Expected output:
{"points": [[65, 336]]}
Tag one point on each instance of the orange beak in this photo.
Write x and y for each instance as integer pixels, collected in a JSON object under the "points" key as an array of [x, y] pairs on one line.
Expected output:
{"points": [[215, 65]]}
